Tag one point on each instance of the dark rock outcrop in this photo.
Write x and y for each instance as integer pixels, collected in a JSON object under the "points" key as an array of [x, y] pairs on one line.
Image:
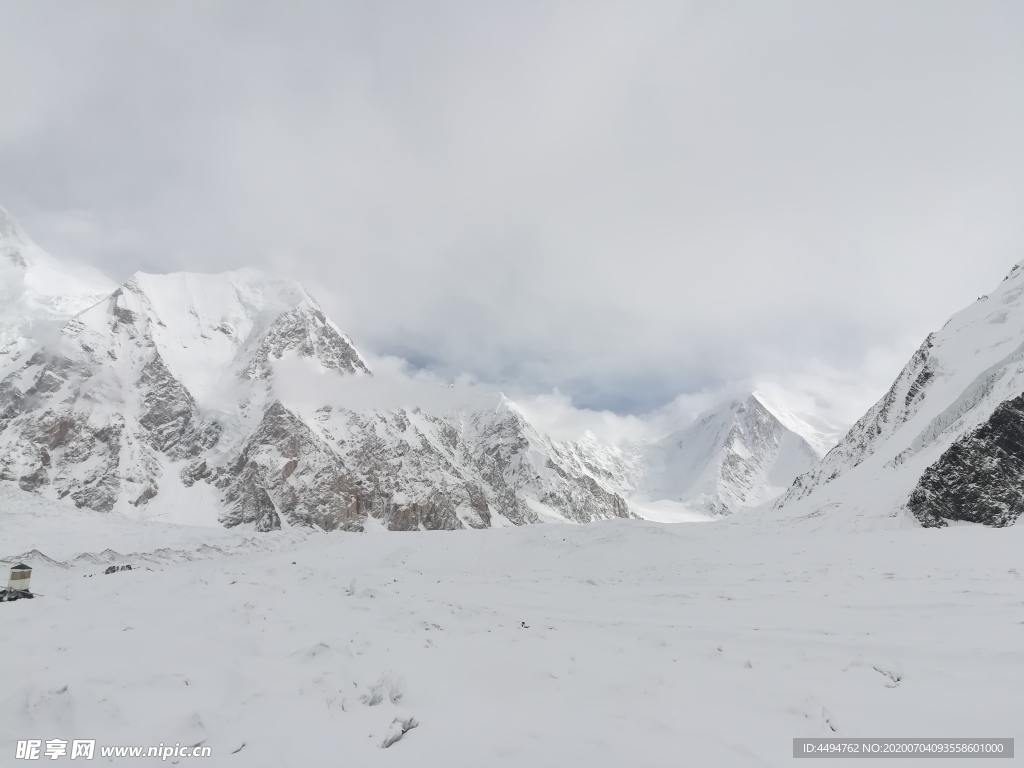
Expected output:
{"points": [[980, 477]]}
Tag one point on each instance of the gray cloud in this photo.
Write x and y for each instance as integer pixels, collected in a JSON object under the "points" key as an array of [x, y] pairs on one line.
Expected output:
{"points": [[620, 201]]}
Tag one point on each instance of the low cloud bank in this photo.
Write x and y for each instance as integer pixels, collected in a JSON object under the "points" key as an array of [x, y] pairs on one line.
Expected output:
{"points": [[823, 398]]}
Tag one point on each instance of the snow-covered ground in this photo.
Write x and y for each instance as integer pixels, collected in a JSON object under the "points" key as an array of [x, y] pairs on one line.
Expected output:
{"points": [[620, 643]]}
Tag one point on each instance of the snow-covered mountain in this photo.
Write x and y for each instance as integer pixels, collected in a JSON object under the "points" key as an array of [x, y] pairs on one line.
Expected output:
{"points": [[946, 442], [159, 400], [735, 456]]}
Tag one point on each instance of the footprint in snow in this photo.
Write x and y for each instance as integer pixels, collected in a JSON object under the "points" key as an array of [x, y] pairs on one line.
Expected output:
{"points": [[398, 728], [387, 688], [895, 678], [829, 720]]}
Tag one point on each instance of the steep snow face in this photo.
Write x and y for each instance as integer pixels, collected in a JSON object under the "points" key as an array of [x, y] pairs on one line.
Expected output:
{"points": [[951, 387], [211, 328], [819, 433], [37, 292], [735, 456]]}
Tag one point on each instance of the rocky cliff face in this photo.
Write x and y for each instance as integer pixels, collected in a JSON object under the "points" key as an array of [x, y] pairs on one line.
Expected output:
{"points": [[404, 470], [284, 471], [942, 443]]}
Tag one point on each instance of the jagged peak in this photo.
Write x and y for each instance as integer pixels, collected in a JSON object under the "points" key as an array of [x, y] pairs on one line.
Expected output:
{"points": [[731, 409], [504, 404], [506, 407], [757, 400]]}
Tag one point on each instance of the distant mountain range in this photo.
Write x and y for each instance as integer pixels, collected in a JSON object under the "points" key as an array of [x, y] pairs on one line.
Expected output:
{"points": [[157, 397]]}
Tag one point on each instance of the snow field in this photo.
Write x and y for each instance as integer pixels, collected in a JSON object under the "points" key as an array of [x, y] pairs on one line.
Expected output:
{"points": [[617, 643]]}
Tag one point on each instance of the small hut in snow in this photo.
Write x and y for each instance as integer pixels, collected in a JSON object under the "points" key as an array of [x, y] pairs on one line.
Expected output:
{"points": [[17, 583], [20, 576]]}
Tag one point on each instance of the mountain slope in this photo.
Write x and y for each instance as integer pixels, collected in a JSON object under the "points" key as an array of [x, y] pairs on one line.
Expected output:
{"points": [[942, 444]]}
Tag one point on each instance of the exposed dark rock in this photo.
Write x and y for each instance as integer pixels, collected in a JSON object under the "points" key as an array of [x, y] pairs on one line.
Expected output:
{"points": [[307, 331], [170, 415], [980, 477], [434, 513], [195, 472], [34, 480], [148, 493]]}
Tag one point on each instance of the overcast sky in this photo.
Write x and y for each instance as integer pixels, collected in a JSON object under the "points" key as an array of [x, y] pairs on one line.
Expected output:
{"points": [[622, 203]]}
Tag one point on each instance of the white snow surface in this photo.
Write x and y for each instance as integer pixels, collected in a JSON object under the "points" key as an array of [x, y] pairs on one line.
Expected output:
{"points": [[616, 643]]}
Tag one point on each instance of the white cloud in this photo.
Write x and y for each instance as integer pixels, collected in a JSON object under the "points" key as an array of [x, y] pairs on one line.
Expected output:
{"points": [[620, 203], [555, 414], [393, 384]]}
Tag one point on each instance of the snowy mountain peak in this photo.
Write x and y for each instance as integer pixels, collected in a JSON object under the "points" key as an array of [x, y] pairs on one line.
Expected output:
{"points": [[736, 455], [505, 404]]}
